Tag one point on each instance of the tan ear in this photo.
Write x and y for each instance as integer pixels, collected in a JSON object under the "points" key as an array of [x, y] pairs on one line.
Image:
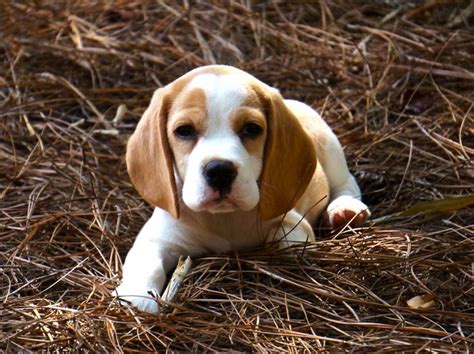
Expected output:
{"points": [[289, 160], [149, 157]]}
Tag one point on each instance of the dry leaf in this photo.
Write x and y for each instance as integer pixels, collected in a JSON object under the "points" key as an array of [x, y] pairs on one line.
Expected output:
{"points": [[441, 206], [421, 301]]}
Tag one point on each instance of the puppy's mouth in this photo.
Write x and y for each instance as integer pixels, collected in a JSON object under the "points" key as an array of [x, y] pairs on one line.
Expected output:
{"points": [[219, 203]]}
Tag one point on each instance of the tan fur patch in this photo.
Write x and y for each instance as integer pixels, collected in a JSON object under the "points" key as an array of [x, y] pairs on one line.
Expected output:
{"points": [[245, 115], [189, 108], [289, 159]]}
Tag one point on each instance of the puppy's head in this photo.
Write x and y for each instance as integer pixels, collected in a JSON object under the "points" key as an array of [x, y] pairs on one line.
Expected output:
{"points": [[226, 140]]}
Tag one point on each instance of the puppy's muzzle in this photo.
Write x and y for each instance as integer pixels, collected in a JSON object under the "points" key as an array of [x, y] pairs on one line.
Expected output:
{"points": [[219, 175]]}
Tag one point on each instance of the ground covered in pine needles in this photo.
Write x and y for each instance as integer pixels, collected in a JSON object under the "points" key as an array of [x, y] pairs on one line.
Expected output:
{"points": [[394, 79]]}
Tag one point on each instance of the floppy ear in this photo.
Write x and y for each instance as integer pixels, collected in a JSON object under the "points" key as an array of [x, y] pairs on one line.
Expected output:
{"points": [[289, 160], [149, 157]]}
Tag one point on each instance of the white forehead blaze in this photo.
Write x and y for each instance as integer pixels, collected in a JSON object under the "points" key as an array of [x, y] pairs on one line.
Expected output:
{"points": [[224, 94]]}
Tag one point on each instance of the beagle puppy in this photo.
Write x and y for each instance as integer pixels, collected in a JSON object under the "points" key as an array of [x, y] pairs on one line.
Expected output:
{"points": [[229, 164]]}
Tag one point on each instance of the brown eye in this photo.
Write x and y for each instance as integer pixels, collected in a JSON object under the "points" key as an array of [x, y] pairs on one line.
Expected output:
{"points": [[186, 132], [250, 130]]}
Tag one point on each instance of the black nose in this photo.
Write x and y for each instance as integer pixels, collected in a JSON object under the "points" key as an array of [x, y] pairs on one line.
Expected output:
{"points": [[219, 175]]}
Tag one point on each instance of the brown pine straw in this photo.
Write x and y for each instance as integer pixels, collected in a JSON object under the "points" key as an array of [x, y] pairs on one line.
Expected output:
{"points": [[394, 79]]}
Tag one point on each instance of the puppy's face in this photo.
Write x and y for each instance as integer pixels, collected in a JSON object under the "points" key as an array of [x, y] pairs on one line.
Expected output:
{"points": [[223, 141], [217, 130]]}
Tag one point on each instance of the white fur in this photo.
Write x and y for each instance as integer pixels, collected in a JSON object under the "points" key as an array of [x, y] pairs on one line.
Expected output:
{"points": [[234, 224], [224, 94]]}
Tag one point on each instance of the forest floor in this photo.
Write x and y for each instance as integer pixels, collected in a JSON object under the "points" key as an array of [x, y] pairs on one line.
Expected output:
{"points": [[395, 80]]}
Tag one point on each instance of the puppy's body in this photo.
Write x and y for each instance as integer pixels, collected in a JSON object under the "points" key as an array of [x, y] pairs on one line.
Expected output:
{"points": [[230, 165]]}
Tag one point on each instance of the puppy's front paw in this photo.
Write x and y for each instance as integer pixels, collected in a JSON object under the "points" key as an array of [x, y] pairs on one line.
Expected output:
{"points": [[143, 299], [294, 229], [346, 209]]}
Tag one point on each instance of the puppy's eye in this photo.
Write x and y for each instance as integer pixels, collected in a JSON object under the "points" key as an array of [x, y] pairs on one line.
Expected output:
{"points": [[250, 130], [186, 132]]}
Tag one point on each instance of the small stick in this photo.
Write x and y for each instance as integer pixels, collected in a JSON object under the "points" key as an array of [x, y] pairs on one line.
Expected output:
{"points": [[121, 110], [176, 280], [110, 132]]}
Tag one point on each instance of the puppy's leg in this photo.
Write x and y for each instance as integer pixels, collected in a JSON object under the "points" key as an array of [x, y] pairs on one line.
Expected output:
{"points": [[294, 229], [147, 263], [345, 203]]}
